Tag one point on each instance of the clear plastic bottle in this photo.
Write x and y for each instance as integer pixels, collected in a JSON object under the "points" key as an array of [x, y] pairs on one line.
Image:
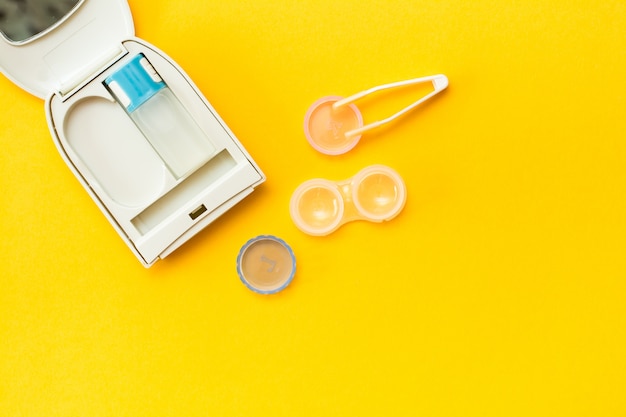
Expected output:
{"points": [[167, 125]]}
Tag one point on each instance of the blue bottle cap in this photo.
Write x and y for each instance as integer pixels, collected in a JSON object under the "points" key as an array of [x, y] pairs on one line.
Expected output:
{"points": [[266, 264], [135, 83]]}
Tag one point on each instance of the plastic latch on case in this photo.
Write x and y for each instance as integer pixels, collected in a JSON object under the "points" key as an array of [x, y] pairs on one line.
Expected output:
{"points": [[333, 125], [376, 193]]}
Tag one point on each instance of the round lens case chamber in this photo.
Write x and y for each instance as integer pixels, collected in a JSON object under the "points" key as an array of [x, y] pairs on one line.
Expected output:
{"points": [[377, 193], [326, 128], [266, 264]]}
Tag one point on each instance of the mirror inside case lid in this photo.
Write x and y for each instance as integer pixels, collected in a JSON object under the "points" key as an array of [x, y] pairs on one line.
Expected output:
{"points": [[44, 55], [137, 133], [23, 20]]}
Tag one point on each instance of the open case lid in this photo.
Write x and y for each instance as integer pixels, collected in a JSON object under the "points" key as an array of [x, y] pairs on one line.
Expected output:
{"points": [[60, 57]]}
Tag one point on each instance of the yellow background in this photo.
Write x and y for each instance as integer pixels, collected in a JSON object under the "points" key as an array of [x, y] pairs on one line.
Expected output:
{"points": [[498, 291]]}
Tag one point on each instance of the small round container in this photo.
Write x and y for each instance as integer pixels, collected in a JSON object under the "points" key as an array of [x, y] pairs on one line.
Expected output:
{"points": [[325, 128], [266, 264], [377, 193]]}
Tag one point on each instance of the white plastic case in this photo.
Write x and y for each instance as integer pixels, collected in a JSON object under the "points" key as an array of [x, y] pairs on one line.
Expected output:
{"points": [[153, 211]]}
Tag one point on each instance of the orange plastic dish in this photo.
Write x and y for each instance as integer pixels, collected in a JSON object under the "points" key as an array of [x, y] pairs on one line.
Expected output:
{"points": [[325, 127]]}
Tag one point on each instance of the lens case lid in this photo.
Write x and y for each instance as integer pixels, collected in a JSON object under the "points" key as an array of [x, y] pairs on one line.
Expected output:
{"points": [[377, 193], [266, 264], [326, 127]]}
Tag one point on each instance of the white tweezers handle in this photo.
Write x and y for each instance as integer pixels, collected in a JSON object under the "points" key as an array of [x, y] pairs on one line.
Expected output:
{"points": [[440, 82]]}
